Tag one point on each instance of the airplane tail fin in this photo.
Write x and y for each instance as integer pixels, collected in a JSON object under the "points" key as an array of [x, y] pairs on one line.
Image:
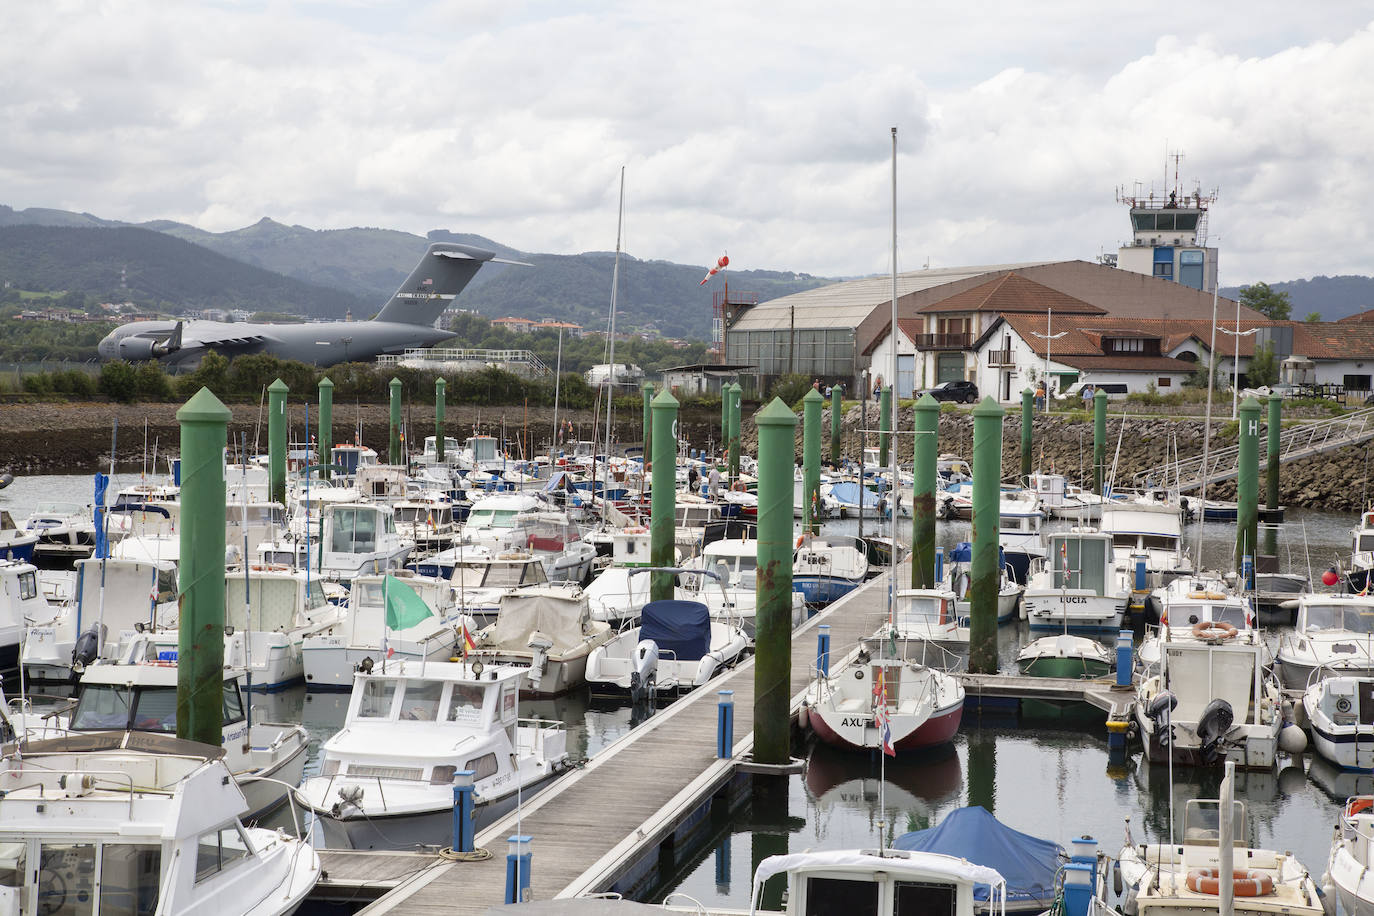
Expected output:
{"points": [[436, 281]]}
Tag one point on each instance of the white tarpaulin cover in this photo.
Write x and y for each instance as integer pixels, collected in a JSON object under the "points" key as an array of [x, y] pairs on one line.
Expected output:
{"points": [[928, 864], [553, 613]]}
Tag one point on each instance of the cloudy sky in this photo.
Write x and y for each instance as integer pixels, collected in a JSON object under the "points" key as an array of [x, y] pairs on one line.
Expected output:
{"points": [[758, 128]]}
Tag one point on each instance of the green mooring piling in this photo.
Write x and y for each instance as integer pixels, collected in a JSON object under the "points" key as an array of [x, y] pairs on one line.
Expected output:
{"points": [[440, 396], [736, 398], [326, 424], [987, 490], [662, 498], [393, 455], [925, 453], [884, 424], [1027, 414], [724, 420], [811, 460], [646, 391], [1247, 480], [777, 427], [200, 636], [276, 441], [1271, 482], [836, 399], [1099, 440]]}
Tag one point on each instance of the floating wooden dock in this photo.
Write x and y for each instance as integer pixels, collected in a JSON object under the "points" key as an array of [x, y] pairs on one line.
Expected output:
{"points": [[599, 829]]}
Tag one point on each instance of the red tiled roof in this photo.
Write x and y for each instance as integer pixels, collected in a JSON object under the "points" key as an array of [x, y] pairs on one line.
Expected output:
{"points": [[1074, 341], [1334, 340], [1012, 292], [1365, 316]]}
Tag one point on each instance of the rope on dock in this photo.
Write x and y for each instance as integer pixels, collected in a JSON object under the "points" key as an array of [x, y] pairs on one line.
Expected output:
{"points": [[477, 855]]}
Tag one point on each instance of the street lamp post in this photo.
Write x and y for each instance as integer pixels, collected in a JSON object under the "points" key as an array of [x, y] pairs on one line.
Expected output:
{"points": [[1235, 364], [1049, 340]]}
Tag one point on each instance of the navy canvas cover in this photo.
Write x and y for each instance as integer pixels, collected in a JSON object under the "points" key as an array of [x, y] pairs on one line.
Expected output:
{"points": [[681, 627], [1028, 863]]}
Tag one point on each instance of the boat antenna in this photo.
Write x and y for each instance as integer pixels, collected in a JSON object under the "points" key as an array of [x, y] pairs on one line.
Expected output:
{"points": [[1207, 422], [247, 606], [557, 377], [257, 428], [307, 503], [891, 505]]}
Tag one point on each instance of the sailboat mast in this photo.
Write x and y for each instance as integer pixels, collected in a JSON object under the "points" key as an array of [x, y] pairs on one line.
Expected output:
{"points": [[610, 339]]}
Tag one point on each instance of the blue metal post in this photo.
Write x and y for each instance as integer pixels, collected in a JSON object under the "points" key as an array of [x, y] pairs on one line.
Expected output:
{"points": [[102, 542], [939, 565], [1124, 662], [463, 839], [176, 472], [1078, 888], [518, 869], [1140, 574], [725, 725], [823, 650], [723, 865], [1247, 572]]}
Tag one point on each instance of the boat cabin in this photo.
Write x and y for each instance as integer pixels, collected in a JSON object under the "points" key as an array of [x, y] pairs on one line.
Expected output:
{"points": [[143, 698], [1330, 613], [889, 882], [348, 458], [1081, 560]]}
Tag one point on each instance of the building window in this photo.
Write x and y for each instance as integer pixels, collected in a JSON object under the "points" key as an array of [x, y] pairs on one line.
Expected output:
{"points": [[1128, 345], [1164, 382], [1357, 383]]}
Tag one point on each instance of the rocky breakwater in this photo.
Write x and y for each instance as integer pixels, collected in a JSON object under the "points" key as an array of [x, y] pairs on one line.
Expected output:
{"points": [[1335, 481]]}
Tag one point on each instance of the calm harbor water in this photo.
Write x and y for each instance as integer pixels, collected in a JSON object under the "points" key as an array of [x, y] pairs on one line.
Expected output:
{"points": [[1045, 772]]}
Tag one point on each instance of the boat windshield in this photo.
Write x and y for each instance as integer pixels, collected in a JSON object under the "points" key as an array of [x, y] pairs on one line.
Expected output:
{"points": [[1202, 823], [1354, 618], [376, 699], [103, 707], [492, 518], [1366, 543], [355, 531], [420, 702], [465, 705]]}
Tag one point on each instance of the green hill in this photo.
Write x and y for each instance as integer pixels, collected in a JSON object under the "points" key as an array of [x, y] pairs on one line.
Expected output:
{"points": [[1332, 297], [156, 270]]}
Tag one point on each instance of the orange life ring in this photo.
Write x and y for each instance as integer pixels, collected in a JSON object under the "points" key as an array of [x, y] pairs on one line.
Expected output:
{"points": [[636, 529], [1214, 629], [800, 538], [1206, 596], [1358, 805], [1243, 883]]}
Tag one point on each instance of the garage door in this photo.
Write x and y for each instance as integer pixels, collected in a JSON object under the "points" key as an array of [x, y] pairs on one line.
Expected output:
{"points": [[949, 367]]}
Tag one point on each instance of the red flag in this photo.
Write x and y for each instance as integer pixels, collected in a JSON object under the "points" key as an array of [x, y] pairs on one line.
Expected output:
{"points": [[880, 718]]}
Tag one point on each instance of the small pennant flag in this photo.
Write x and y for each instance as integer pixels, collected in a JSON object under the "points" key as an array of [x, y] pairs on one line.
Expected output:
{"points": [[468, 642], [880, 717]]}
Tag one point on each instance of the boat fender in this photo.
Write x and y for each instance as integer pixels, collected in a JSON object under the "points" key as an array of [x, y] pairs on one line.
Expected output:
{"points": [[1244, 883], [1116, 877], [1212, 726], [1292, 740], [1327, 892], [6, 479]]}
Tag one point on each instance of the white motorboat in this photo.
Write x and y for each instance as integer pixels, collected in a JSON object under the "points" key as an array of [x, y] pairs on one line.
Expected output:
{"points": [[15, 543], [1348, 871], [547, 630], [139, 824], [1018, 533], [20, 603], [1340, 715], [1075, 587], [66, 532], [1212, 700], [359, 539], [429, 453], [1361, 553], [735, 560], [480, 577], [677, 646], [553, 537], [615, 596], [880, 882], [111, 598], [266, 758], [1200, 607], [1148, 532], [1061, 499], [427, 519], [493, 519], [1334, 634], [924, 704], [368, 632], [412, 731], [825, 568], [1184, 880]]}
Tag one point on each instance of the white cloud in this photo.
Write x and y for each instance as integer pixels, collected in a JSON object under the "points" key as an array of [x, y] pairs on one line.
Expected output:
{"points": [[758, 129]]}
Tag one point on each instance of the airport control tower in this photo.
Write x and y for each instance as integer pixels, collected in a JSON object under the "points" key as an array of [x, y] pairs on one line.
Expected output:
{"points": [[1169, 236]]}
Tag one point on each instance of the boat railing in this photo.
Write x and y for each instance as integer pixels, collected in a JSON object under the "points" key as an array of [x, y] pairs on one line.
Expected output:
{"points": [[290, 795], [76, 770], [530, 733]]}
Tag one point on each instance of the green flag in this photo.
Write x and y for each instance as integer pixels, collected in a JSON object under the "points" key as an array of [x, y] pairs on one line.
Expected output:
{"points": [[404, 608]]}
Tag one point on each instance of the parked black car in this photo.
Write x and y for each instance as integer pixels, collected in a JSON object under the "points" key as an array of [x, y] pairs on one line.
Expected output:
{"points": [[957, 391]]}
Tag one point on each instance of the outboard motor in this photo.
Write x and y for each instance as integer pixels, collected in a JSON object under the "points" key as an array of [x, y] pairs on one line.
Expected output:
{"points": [[644, 678], [1159, 709], [87, 648], [1212, 726]]}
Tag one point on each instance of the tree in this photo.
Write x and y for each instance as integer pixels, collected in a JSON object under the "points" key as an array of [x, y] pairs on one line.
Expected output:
{"points": [[1313, 317], [1263, 368], [1263, 299]]}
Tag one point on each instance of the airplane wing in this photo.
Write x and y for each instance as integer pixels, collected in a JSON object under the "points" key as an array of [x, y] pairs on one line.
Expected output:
{"points": [[225, 344]]}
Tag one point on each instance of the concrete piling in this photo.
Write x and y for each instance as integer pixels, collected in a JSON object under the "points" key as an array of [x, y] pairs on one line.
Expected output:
{"points": [[440, 396], [836, 399], [1271, 482], [200, 637], [663, 495], [987, 491], [1027, 413], [1099, 440], [326, 433], [736, 398], [276, 441], [1247, 480], [926, 484], [884, 424], [646, 391], [811, 460], [394, 455], [772, 669]]}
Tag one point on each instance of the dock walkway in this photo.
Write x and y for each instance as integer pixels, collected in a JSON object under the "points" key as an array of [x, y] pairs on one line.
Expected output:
{"points": [[591, 825]]}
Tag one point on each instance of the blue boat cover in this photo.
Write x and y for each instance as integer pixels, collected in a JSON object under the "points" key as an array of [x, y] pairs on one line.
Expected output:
{"points": [[963, 553], [847, 492], [1028, 863], [681, 627]]}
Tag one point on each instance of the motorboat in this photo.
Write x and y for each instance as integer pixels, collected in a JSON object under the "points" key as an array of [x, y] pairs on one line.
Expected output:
{"points": [[958, 579], [928, 615], [736, 561], [924, 704], [825, 568], [1018, 533], [415, 730], [879, 882], [847, 499], [1275, 596], [384, 484], [493, 519], [677, 647], [1200, 607], [1066, 656], [358, 539], [66, 532], [15, 543], [1031, 866], [614, 596], [1340, 716], [1334, 634], [266, 758], [138, 823], [21, 602], [347, 458], [1063, 500], [111, 598], [417, 628], [480, 576], [1147, 537], [429, 451], [1212, 700], [554, 538], [427, 519], [1361, 553], [1178, 880], [1348, 872], [1075, 588], [549, 631]]}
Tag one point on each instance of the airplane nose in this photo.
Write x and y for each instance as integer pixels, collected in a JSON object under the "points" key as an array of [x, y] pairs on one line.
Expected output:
{"points": [[106, 347]]}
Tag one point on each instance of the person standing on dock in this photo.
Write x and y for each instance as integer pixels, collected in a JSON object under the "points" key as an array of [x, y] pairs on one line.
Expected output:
{"points": [[714, 479]]}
